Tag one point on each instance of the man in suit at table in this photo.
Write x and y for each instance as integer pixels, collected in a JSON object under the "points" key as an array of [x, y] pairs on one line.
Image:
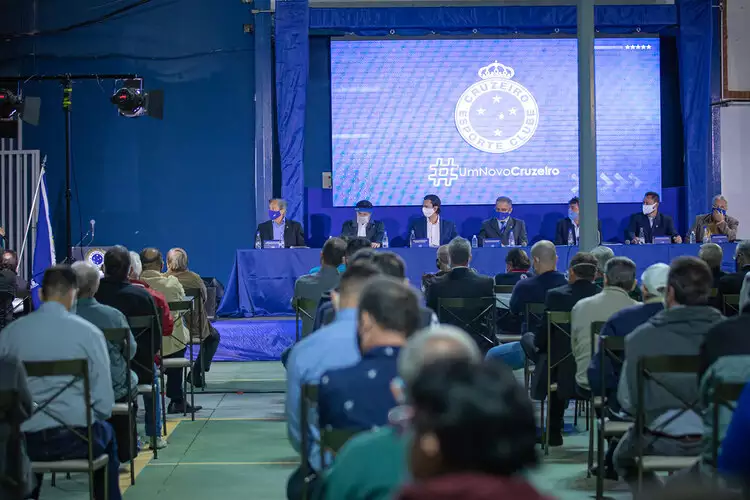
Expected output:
{"points": [[279, 228], [433, 228], [363, 226], [651, 222], [569, 226], [502, 225]]}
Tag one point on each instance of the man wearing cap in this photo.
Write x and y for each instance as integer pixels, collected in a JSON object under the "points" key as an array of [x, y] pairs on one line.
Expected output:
{"points": [[364, 226]]}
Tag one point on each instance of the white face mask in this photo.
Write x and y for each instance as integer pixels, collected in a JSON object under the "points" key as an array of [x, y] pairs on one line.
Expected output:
{"points": [[428, 212], [647, 209], [363, 219]]}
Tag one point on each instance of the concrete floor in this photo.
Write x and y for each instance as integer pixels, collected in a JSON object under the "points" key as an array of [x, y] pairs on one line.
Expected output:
{"points": [[237, 449]]}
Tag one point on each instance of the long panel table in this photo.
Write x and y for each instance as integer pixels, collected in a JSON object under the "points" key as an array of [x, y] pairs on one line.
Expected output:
{"points": [[262, 281]]}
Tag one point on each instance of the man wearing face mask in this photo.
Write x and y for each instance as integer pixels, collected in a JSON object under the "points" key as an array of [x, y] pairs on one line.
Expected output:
{"points": [[717, 222], [570, 225], [651, 223], [502, 225], [364, 226], [433, 228], [279, 228]]}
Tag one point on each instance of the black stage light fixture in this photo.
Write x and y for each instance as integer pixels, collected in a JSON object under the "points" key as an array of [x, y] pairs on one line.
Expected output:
{"points": [[14, 107], [132, 101]]}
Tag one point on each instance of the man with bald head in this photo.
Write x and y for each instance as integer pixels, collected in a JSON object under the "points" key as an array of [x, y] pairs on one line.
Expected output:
{"points": [[373, 465], [546, 277]]}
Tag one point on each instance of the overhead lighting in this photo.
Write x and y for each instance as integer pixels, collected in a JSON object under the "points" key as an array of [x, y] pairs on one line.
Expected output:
{"points": [[13, 106], [132, 101]]}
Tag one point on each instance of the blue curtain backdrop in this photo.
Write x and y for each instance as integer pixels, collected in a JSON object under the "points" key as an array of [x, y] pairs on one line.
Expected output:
{"points": [[292, 61], [295, 21]]}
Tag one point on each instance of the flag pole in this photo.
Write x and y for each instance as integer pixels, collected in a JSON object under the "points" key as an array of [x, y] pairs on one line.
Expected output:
{"points": [[31, 214]]}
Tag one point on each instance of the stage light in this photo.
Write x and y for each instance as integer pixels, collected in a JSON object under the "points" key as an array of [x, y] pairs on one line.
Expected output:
{"points": [[132, 101], [13, 106]]}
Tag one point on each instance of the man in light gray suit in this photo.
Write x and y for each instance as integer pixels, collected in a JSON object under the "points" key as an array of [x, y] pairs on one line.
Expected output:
{"points": [[312, 286]]}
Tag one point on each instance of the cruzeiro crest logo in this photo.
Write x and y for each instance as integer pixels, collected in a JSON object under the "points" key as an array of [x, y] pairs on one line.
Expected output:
{"points": [[496, 114], [95, 257]]}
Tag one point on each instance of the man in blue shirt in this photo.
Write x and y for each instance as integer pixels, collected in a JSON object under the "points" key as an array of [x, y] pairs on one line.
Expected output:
{"points": [[333, 346], [359, 397], [53, 333]]}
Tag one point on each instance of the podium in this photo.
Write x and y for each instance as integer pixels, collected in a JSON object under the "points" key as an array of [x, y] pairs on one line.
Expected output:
{"points": [[92, 254]]}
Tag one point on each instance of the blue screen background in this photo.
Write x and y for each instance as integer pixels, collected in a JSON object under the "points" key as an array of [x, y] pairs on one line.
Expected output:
{"points": [[393, 106]]}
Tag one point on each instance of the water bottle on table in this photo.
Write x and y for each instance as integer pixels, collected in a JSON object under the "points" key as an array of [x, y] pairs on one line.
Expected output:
{"points": [[385, 239], [706, 235], [641, 237], [571, 238], [691, 237], [258, 241], [412, 237], [474, 241], [511, 239]]}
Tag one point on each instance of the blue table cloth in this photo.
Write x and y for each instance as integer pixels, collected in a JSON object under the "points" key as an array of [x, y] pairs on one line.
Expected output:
{"points": [[262, 281]]}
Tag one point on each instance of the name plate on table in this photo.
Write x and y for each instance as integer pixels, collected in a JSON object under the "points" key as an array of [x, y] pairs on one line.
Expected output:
{"points": [[492, 244], [273, 244], [719, 238], [420, 243], [662, 240]]}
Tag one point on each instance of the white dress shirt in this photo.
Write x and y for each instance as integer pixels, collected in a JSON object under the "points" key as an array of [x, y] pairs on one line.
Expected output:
{"points": [[433, 232], [362, 230], [577, 230]]}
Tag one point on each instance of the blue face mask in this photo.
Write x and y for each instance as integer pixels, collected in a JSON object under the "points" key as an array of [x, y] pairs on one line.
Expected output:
{"points": [[572, 215], [502, 216], [720, 210], [274, 214]]}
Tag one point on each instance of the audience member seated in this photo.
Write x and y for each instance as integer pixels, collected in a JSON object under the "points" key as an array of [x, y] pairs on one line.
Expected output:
{"points": [[672, 429], [134, 301], [313, 286], [16, 478], [333, 346], [713, 255], [603, 254], [654, 288], [175, 345], [8, 290], [474, 435], [462, 283], [393, 266], [534, 290], [734, 457], [517, 266], [619, 281], [372, 465], [10, 262], [359, 397], [199, 326], [165, 315], [102, 317], [442, 262], [561, 299], [54, 333], [731, 284]]}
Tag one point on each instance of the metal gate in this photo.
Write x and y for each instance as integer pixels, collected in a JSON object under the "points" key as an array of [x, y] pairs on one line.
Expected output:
{"points": [[19, 176]]}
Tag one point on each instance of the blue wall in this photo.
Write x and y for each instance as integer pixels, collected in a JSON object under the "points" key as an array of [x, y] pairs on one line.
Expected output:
{"points": [[184, 181]]}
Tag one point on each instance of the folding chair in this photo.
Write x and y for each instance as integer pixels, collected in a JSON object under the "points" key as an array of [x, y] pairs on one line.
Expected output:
{"points": [[334, 440], [731, 305], [502, 303], [144, 326], [476, 316], [726, 395], [78, 370], [305, 310], [612, 349], [534, 318], [647, 368], [309, 395], [196, 318], [181, 307], [9, 415], [556, 320], [120, 337], [596, 328]]}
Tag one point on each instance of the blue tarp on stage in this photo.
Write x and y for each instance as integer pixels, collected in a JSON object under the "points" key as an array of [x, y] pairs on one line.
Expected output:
{"points": [[262, 281]]}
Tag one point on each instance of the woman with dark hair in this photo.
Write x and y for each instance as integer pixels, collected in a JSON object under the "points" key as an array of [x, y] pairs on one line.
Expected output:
{"points": [[474, 434], [433, 227]]}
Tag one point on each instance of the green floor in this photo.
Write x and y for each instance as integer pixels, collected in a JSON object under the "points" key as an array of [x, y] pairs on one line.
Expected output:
{"points": [[238, 450]]}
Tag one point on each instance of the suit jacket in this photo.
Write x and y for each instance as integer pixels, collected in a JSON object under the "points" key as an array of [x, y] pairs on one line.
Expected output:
{"points": [[134, 301], [491, 230], [563, 299], [663, 226], [447, 230], [731, 284], [293, 236], [461, 282], [728, 227], [375, 231], [565, 225], [511, 278], [534, 290], [313, 286]]}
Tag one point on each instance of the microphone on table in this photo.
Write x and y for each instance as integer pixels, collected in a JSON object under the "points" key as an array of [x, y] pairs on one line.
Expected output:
{"points": [[92, 222]]}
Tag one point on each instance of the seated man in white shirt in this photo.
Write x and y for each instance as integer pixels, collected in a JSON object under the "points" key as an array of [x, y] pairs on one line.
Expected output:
{"points": [[53, 333], [363, 226]]}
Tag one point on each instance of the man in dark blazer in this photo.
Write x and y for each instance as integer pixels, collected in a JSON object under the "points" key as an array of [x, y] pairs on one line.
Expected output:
{"points": [[569, 225], [731, 284], [433, 219], [652, 222], [364, 226], [502, 225], [279, 227]]}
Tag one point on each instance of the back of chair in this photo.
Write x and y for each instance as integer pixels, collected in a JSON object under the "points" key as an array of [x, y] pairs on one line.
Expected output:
{"points": [[143, 329], [596, 329], [558, 323], [12, 477], [334, 440], [195, 320], [309, 400], [534, 316], [477, 316], [612, 351], [725, 395], [731, 304], [305, 310], [504, 289]]}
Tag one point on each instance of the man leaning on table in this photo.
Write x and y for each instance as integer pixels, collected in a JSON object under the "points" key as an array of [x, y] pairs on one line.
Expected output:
{"points": [[651, 223], [363, 225], [716, 222], [279, 228]]}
